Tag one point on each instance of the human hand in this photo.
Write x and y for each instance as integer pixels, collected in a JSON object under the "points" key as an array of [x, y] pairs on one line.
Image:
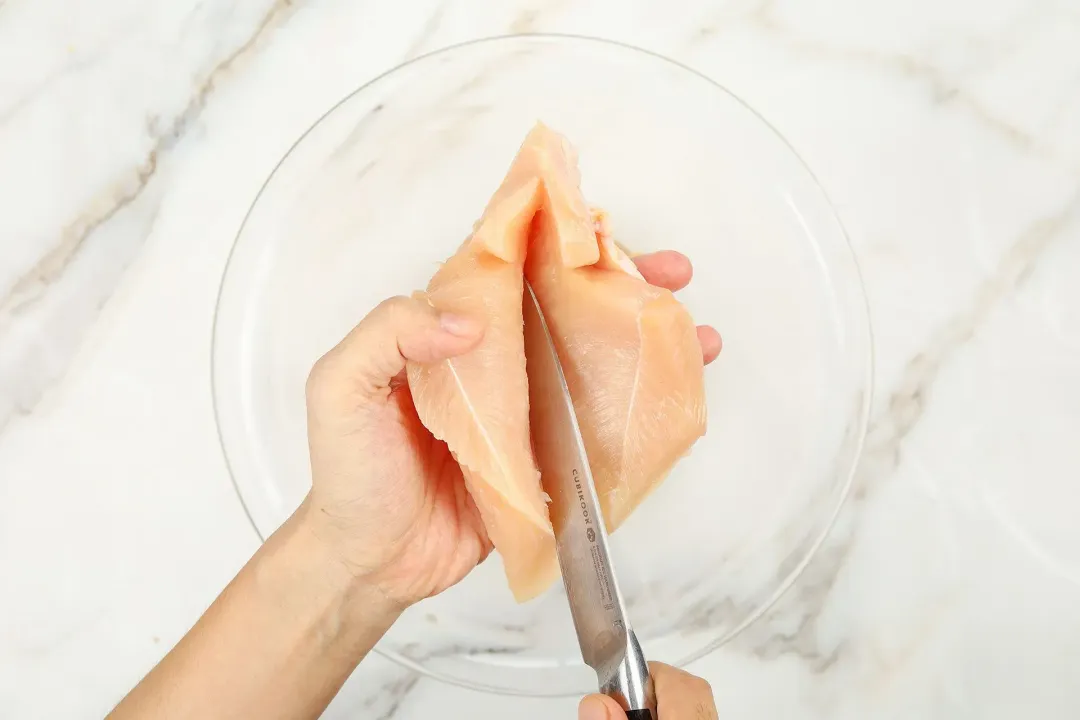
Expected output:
{"points": [[387, 497], [679, 696]]}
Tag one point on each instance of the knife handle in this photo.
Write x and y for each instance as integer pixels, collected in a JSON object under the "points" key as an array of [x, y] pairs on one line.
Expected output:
{"points": [[643, 714]]}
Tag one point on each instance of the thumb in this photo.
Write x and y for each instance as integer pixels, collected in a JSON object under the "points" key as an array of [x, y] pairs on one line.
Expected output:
{"points": [[600, 707], [398, 330]]}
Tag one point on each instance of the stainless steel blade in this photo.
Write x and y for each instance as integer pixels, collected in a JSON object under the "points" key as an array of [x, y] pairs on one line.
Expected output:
{"points": [[608, 643]]}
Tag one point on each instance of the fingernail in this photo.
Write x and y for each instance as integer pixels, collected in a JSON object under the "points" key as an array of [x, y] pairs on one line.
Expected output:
{"points": [[459, 325], [593, 708]]}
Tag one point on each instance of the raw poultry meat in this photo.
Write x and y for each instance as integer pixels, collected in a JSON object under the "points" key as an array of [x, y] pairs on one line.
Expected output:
{"points": [[629, 351]]}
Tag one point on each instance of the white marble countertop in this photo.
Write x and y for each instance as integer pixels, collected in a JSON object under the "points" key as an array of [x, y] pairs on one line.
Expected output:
{"points": [[134, 134]]}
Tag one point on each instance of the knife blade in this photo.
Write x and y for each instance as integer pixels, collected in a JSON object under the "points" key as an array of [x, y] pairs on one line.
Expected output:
{"points": [[608, 643]]}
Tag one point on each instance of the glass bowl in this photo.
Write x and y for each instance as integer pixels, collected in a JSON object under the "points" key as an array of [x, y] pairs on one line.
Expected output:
{"points": [[387, 184]]}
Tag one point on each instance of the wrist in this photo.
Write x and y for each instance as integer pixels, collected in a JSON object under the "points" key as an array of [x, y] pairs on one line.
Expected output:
{"points": [[345, 606]]}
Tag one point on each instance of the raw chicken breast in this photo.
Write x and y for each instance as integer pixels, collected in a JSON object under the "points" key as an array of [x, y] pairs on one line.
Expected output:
{"points": [[629, 351], [479, 403]]}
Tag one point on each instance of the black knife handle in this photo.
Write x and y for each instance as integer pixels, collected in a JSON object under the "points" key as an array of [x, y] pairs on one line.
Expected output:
{"points": [[642, 714]]}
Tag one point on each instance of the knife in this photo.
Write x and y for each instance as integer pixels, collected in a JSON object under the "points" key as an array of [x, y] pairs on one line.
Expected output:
{"points": [[608, 643]]}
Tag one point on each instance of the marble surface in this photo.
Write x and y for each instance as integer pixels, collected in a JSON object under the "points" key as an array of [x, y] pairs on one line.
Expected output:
{"points": [[134, 134]]}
